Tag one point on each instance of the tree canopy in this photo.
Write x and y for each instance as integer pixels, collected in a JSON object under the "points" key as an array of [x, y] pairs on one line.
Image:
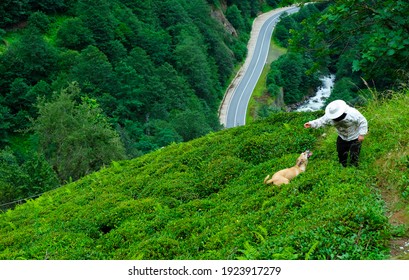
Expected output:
{"points": [[370, 38], [155, 70], [142, 61], [75, 138], [362, 42]]}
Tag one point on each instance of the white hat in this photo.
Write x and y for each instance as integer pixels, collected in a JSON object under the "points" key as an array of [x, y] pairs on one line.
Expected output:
{"points": [[335, 109]]}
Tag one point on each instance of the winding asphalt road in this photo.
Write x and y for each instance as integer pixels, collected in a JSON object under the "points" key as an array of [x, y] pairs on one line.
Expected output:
{"points": [[238, 103]]}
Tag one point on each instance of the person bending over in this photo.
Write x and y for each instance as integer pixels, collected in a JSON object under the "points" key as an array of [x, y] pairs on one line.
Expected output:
{"points": [[351, 126]]}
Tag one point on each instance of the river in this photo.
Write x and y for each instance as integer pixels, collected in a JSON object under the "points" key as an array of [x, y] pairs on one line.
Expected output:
{"points": [[316, 102]]}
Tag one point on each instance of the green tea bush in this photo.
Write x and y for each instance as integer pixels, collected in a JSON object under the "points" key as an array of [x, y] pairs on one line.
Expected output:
{"points": [[205, 199]]}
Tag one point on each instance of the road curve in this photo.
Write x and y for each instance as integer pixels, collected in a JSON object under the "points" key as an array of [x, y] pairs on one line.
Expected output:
{"points": [[234, 107]]}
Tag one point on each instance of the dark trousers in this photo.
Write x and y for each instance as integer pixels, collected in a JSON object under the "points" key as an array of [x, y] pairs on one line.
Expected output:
{"points": [[352, 148]]}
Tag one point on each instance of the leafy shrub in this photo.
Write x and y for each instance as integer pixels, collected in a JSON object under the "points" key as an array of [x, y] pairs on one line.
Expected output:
{"points": [[39, 21], [205, 199], [24, 176], [74, 35], [75, 138]]}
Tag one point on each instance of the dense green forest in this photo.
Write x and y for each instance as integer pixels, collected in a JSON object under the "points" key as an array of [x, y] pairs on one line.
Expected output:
{"points": [[364, 43], [86, 82]]}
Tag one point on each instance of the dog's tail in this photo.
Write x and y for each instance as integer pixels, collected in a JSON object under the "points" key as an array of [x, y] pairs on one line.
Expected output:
{"points": [[265, 180]]}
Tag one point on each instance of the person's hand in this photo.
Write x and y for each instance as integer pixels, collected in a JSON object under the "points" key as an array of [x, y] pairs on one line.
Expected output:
{"points": [[307, 125], [361, 138]]}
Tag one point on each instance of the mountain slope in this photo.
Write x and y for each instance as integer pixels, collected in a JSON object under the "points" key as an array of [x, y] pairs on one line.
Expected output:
{"points": [[205, 199]]}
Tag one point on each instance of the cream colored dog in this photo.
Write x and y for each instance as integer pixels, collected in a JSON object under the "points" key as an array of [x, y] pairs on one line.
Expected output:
{"points": [[284, 176]]}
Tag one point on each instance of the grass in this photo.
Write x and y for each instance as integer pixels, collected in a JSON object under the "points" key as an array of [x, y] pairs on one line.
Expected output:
{"points": [[391, 168], [205, 199]]}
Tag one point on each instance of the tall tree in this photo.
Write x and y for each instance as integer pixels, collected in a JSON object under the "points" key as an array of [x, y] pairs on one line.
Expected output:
{"points": [[75, 138], [13, 11], [49, 6], [24, 176], [98, 17], [74, 35], [129, 96], [5, 123], [31, 58], [377, 31], [233, 14], [191, 124], [290, 73], [191, 60], [94, 73], [39, 21]]}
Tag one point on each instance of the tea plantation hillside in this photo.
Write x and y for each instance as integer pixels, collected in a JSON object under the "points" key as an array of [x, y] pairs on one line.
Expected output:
{"points": [[205, 199]]}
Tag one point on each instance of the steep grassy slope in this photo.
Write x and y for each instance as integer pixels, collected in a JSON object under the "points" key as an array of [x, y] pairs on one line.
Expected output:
{"points": [[205, 199]]}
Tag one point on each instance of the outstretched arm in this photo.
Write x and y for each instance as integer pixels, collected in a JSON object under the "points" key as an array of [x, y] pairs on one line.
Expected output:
{"points": [[318, 122]]}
